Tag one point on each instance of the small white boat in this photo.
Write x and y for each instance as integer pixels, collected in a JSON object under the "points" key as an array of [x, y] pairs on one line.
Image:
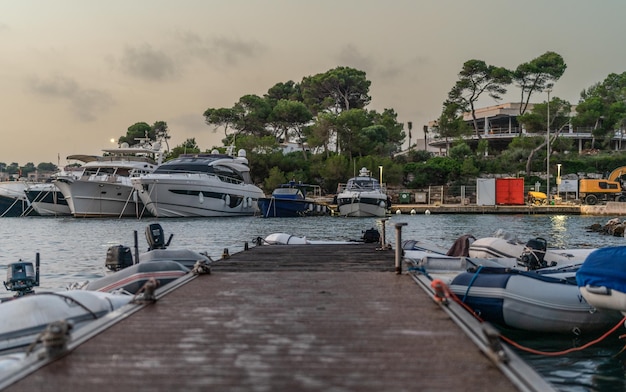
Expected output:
{"points": [[533, 254], [602, 278], [288, 239], [25, 317], [363, 196]]}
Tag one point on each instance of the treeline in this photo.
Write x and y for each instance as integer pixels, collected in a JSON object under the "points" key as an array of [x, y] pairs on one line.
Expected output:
{"points": [[326, 115]]}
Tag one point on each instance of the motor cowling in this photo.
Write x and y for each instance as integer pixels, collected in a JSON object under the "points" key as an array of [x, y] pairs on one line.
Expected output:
{"points": [[534, 253], [118, 257], [371, 235], [155, 236]]}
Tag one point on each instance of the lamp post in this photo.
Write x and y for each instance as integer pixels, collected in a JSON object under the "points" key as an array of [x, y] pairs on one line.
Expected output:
{"points": [[548, 151], [380, 169], [558, 179]]}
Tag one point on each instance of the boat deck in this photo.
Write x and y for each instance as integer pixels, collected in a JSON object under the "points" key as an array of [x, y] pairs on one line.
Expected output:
{"points": [[282, 318]]}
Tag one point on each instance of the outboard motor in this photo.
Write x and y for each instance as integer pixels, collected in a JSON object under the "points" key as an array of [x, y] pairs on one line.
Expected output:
{"points": [[533, 254], [156, 237], [118, 257], [371, 235], [22, 277]]}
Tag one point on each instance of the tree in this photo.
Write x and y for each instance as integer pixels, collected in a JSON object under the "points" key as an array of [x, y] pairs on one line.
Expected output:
{"points": [[47, 167], [338, 89], [536, 121], [288, 90], [476, 78], [289, 118], [253, 112], [189, 146], [161, 132], [136, 133], [538, 75], [274, 179], [221, 117], [603, 107]]}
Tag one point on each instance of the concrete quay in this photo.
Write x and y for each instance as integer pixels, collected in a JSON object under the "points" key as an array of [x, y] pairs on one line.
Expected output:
{"points": [[610, 208]]}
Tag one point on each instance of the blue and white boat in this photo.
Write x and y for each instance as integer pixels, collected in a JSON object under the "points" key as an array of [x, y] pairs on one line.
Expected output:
{"points": [[290, 200], [544, 300]]}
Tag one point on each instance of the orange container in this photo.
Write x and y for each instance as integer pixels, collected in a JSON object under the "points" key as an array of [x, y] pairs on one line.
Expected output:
{"points": [[510, 191]]}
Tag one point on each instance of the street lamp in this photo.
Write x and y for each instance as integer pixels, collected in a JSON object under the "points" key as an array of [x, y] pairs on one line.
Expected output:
{"points": [[558, 179], [548, 149]]}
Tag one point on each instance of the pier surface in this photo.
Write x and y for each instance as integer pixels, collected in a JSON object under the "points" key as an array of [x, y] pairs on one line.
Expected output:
{"points": [[282, 318]]}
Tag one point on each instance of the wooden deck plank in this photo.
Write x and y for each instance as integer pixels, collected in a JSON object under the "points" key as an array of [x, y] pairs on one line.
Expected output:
{"points": [[329, 320]]}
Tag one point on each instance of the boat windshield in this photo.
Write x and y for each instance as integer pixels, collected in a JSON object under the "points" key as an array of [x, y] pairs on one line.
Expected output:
{"points": [[364, 184], [293, 192]]}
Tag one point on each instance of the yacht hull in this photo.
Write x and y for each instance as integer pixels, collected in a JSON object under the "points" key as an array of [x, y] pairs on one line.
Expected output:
{"points": [[196, 195], [100, 199]]}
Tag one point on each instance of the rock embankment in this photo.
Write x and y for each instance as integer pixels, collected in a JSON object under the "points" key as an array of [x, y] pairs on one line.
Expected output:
{"points": [[614, 227]]}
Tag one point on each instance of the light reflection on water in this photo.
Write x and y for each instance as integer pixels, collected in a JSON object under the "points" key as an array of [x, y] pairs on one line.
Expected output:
{"points": [[74, 250]]}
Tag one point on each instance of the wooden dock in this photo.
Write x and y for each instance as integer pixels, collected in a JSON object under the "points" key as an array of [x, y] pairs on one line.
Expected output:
{"points": [[282, 318]]}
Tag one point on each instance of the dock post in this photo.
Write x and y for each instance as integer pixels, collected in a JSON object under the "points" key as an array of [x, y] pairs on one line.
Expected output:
{"points": [[399, 247], [383, 238]]}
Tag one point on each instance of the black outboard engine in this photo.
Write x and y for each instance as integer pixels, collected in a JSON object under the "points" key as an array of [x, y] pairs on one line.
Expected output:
{"points": [[118, 257], [371, 235], [534, 253], [22, 277], [156, 237]]}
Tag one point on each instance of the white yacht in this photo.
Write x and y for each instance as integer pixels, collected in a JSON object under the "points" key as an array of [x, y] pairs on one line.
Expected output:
{"points": [[362, 196], [202, 185], [104, 188]]}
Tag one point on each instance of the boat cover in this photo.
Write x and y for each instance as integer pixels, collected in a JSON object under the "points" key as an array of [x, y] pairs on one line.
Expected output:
{"points": [[604, 267]]}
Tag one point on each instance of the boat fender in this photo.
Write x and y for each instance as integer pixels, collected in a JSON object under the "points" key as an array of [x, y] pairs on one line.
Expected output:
{"points": [[201, 197]]}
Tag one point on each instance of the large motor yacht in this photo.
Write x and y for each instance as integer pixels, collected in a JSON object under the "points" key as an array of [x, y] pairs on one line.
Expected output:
{"points": [[104, 188], [201, 185]]}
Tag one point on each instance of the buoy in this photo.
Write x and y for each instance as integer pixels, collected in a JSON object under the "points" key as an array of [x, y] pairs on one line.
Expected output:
{"points": [[398, 212], [413, 212], [427, 212]]}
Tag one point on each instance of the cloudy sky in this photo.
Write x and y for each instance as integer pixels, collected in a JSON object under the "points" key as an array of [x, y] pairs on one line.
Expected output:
{"points": [[74, 74]]}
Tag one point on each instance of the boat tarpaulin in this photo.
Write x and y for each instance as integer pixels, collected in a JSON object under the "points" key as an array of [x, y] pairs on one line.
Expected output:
{"points": [[604, 267]]}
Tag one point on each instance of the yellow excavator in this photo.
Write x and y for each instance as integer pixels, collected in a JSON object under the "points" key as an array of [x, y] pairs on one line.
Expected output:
{"points": [[612, 188]]}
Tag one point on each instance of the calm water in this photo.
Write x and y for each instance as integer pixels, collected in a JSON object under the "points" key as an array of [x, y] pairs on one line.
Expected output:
{"points": [[74, 250]]}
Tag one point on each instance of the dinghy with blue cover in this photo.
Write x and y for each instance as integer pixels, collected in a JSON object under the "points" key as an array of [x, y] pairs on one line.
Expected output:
{"points": [[546, 300], [602, 278]]}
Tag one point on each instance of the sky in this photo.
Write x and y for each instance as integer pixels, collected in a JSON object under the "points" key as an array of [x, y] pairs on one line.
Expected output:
{"points": [[75, 74]]}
